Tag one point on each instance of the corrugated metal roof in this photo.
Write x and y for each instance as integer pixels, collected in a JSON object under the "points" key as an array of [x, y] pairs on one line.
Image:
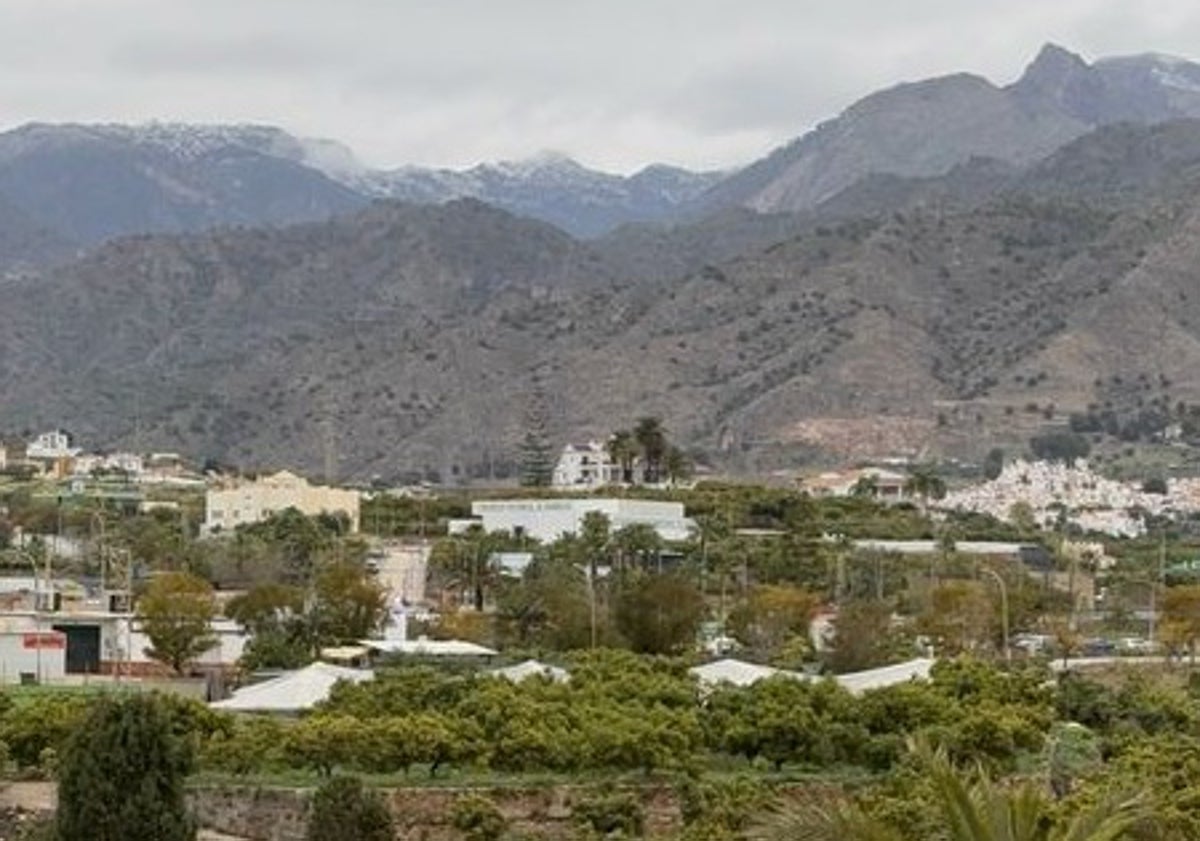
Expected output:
{"points": [[294, 691], [531, 668], [430, 648]]}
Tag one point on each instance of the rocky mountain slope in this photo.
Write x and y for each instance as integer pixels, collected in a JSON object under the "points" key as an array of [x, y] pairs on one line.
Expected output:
{"points": [[926, 298], [408, 340], [86, 184], [382, 329], [927, 128], [552, 188], [80, 185]]}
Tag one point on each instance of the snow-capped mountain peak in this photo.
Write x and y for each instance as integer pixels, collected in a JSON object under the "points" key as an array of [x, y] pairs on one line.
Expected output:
{"points": [[189, 141]]}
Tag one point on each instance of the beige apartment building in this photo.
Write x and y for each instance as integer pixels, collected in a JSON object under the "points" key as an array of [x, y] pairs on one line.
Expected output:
{"points": [[242, 502]]}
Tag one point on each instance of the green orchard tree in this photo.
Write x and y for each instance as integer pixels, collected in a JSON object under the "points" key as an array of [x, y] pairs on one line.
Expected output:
{"points": [[348, 603], [176, 613], [659, 614]]}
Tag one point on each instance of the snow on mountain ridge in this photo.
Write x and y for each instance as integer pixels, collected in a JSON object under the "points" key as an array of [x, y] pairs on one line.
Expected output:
{"points": [[1178, 81], [549, 186], [190, 141]]}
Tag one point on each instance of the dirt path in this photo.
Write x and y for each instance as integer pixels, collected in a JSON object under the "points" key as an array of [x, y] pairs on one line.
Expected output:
{"points": [[31, 796]]}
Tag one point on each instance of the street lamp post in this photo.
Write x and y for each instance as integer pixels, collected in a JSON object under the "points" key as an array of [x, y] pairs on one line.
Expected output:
{"points": [[589, 572], [592, 606], [98, 519], [37, 612], [1003, 611]]}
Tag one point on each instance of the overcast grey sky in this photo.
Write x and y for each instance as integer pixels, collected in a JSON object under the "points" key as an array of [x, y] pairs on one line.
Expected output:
{"points": [[614, 83]]}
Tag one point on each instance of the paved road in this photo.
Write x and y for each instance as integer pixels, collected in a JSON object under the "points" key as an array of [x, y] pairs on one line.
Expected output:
{"points": [[1096, 662]]}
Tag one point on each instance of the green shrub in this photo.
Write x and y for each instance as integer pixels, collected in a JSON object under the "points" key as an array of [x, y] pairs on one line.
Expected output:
{"points": [[478, 818], [610, 814], [343, 809], [121, 775]]}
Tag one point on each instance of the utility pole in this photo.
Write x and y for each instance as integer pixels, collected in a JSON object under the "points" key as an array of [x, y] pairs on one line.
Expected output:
{"points": [[37, 615], [1156, 582], [592, 604], [330, 449], [1003, 611]]}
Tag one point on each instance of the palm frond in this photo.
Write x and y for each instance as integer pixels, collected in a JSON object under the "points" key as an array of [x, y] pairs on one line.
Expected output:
{"points": [[827, 820], [1108, 820]]}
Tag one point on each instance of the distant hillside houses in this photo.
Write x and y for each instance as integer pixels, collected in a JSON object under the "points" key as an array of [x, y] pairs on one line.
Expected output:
{"points": [[55, 455], [587, 465], [880, 484], [1090, 501], [51, 453], [52, 445], [87, 464]]}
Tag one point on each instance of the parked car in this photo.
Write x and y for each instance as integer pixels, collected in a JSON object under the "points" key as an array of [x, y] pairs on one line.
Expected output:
{"points": [[1098, 647], [1032, 644], [1136, 646]]}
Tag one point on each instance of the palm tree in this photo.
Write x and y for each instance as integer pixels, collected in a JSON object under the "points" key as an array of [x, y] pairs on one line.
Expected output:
{"points": [[969, 807], [677, 465], [867, 487], [925, 484], [623, 450], [652, 439]]}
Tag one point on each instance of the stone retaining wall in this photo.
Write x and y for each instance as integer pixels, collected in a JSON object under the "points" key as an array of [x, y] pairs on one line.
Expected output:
{"points": [[421, 814]]}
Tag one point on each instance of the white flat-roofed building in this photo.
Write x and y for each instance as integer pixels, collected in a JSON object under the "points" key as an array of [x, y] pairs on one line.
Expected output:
{"points": [[86, 639], [549, 519], [884, 485], [51, 445], [128, 463], [226, 508]]}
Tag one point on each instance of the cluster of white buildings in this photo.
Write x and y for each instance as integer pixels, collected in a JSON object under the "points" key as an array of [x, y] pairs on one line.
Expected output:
{"points": [[54, 454], [1090, 501]]}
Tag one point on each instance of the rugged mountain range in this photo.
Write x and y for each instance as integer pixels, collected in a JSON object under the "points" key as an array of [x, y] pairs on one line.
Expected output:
{"points": [[927, 128], [411, 339], [552, 188], [87, 184], [79, 185], [967, 299]]}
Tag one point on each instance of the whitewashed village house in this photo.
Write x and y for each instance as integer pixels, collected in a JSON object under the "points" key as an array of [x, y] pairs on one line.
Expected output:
{"points": [[884, 485], [585, 466]]}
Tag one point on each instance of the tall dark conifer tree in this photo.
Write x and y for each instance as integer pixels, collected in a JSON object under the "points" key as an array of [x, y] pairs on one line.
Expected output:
{"points": [[537, 453], [122, 775]]}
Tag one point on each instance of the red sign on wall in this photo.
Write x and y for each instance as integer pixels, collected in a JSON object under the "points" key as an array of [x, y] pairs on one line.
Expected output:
{"points": [[49, 639]]}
